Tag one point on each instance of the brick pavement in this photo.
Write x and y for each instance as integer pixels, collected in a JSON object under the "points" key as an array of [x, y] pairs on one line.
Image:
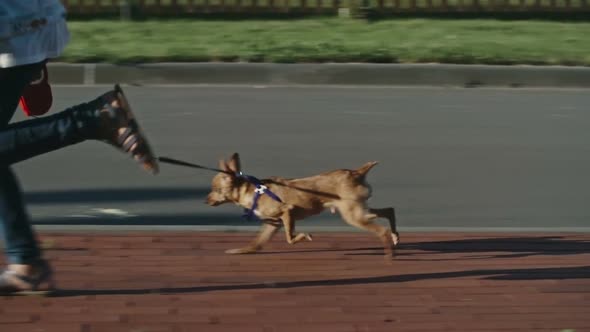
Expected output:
{"points": [[176, 282]]}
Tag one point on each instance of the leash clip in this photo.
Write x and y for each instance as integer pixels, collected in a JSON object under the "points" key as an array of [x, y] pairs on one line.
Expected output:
{"points": [[261, 189]]}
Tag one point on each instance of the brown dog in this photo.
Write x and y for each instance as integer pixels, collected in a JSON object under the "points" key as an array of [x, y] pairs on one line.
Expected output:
{"points": [[345, 191]]}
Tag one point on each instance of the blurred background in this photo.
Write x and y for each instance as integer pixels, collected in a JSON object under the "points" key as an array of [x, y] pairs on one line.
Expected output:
{"points": [[450, 157]]}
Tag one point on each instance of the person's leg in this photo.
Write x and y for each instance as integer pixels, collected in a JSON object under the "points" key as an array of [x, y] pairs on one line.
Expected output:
{"points": [[22, 251], [106, 118], [26, 139], [19, 239], [21, 247]]}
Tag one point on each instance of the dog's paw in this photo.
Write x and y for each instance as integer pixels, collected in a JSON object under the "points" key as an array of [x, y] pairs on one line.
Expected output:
{"points": [[308, 237], [395, 239], [388, 259], [240, 251], [389, 254]]}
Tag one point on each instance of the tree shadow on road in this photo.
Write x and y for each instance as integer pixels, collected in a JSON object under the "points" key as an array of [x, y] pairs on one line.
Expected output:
{"points": [[471, 248], [114, 195], [554, 273], [508, 247]]}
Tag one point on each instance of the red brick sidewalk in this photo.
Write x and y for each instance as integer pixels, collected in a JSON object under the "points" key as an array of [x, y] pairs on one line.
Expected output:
{"points": [[152, 282]]}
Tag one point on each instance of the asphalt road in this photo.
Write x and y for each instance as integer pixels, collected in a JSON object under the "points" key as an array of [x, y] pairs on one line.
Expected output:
{"points": [[449, 158]]}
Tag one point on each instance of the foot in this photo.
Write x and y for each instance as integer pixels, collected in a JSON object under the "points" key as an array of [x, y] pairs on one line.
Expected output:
{"points": [[26, 279], [241, 251], [299, 237], [389, 259], [120, 128], [395, 238]]}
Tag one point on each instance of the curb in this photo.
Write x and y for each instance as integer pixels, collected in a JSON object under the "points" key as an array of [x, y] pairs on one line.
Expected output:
{"points": [[310, 228], [321, 74]]}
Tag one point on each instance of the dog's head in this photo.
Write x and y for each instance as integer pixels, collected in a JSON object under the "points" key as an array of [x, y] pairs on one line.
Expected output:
{"points": [[224, 183]]}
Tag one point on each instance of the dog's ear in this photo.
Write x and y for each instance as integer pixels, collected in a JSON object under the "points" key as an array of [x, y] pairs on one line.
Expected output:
{"points": [[223, 166], [234, 164]]}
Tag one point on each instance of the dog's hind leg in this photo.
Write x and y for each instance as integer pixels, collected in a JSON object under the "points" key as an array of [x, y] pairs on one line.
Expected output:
{"points": [[267, 231], [355, 214], [389, 214]]}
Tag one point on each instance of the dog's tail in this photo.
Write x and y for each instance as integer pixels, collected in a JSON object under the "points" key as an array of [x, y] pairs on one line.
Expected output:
{"points": [[363, 170]]}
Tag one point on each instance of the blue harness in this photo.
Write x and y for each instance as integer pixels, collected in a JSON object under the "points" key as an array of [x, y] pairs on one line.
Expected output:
{"points": [[260, 190]]}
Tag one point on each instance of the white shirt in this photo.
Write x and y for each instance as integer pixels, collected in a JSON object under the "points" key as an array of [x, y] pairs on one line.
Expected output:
{"points": [[31, 31]]}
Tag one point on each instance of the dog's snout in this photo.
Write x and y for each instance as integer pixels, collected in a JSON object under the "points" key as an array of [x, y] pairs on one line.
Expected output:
{"points": [[211, 201], [208, 200]]}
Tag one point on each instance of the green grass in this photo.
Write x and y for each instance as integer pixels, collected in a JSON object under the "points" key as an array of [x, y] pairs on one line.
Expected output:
{"points": [[484, 41]]}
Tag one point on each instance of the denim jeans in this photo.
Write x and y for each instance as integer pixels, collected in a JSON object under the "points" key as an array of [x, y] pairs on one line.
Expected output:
{"points": [[26, 139]]}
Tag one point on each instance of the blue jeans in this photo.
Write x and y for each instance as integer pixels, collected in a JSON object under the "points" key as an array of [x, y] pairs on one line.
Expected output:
{"points": [[19, 239], [26, 139]]}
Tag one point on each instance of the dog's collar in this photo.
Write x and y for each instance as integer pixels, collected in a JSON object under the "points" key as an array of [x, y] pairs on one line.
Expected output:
{"points": [[260, 190]]}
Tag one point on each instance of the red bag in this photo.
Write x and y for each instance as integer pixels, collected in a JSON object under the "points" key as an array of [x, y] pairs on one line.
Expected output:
{"points": [[37, 98]]}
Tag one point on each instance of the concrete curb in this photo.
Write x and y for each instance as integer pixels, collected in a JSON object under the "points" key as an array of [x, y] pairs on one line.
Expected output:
{"points": [[308, 228], [321, 74]]}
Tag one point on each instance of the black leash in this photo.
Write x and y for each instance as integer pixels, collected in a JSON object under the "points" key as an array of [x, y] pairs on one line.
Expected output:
{"points": [[185, 164]]}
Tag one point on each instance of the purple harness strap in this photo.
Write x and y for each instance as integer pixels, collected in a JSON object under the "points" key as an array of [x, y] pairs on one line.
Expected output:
{"points": [[260, 190]]}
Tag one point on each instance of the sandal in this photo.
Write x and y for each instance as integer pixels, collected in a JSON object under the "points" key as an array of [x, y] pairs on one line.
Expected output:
{"points": [[120, 128], [12, 283]]}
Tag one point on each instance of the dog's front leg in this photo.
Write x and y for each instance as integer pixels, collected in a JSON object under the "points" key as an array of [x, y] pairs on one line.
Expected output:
{"points": [[266, 233], [289, 224]]}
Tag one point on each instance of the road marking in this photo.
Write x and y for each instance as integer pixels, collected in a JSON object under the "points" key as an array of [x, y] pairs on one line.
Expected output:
{"points": [[114, 212]]}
